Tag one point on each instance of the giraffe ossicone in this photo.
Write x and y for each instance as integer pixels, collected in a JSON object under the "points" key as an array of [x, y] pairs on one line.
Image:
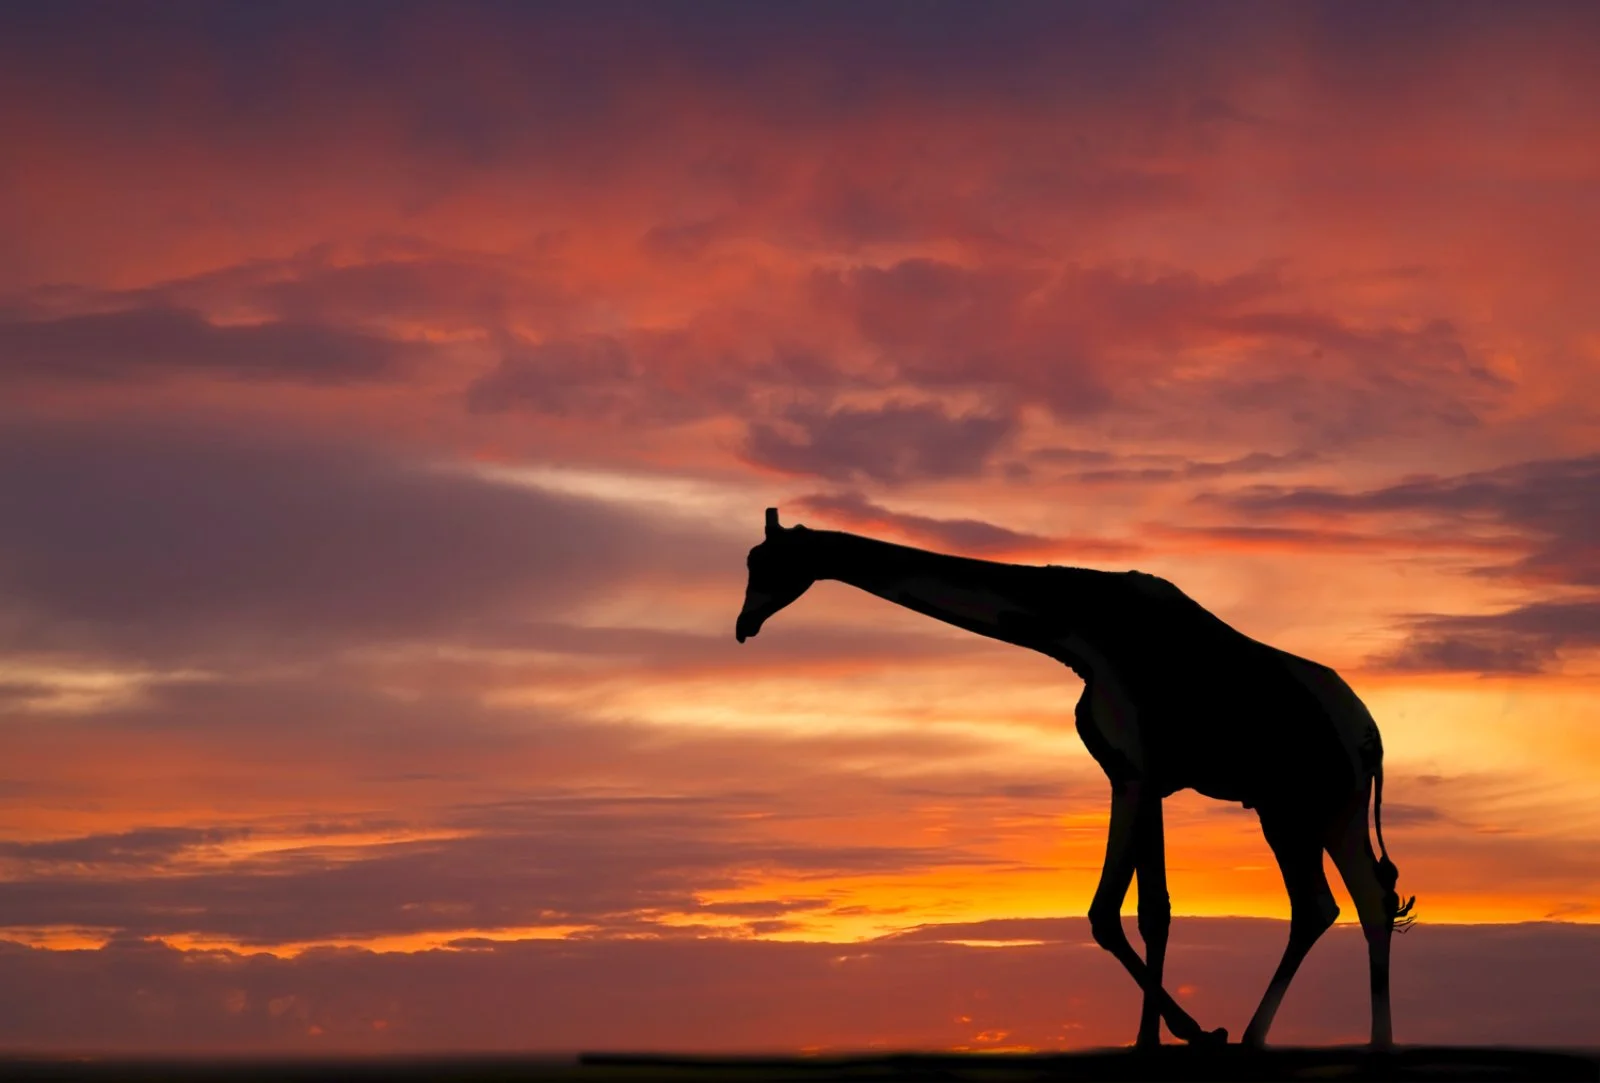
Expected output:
{"points": [[1174, 698]]}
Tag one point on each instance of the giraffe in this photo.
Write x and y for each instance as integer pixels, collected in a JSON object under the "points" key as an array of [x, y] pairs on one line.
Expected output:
{"points": [[1173, 698]]}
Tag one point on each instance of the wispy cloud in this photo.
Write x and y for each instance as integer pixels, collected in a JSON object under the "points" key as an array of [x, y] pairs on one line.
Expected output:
{"points": [[1542, 516], [975, 536]]}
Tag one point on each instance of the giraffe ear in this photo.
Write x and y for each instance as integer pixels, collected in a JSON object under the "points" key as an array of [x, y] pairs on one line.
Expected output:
{"points": [[773, 529]]}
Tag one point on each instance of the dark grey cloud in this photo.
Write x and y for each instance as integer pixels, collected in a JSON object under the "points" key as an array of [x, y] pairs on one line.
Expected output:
{"points": [[1554, 502], [1053, 332], [999, 329], [143, 343], [640, 378], [762, 908], [853, 510], [893, 443], [1305, 539], [1255, 462], [142, 847], [1010, 333], [586, 376], [596, 376], [445, 290], [1553, 505], [1352, 387], [800, 69], [1084, 339], [1020, 54], [616, 863], [387, 281], [137, 538], [1401, 814], [1527, 639], [501, 816], [1072, 456], [1322, 382], [1386, 352], [966, 535], [1518, 985], [682, 653], [684, 240]]}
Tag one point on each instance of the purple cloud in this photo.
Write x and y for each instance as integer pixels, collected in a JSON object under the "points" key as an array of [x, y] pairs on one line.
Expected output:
{"points": [[894, 443], [150, 342]]}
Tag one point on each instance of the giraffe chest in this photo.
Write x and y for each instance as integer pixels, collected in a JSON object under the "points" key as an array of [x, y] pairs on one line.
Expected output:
{"points": [[1107, 719], [1114, 723]]}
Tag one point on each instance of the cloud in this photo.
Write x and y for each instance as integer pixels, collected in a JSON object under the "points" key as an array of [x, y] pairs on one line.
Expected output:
{"points": [[1324, 381], [1088, 339], [1255, 462], [894, 443], [141, 847], [1551, 509], [449, 290], [143, 343], [1392, 357], [615, 863], [1246, 538], [1528, 639], [595, 377], [680, 655], [141, 539], [372, 798], [966, 535], [370, 290], [1522, 985], [939, 325], [960, 535], [1555, 503], [683, 241]]}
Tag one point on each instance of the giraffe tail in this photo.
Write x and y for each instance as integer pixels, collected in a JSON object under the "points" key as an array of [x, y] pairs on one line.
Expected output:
{"points": [[1401, 916]]}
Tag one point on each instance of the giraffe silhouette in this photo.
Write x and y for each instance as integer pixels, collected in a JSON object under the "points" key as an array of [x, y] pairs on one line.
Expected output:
{"points": [[1173, 698]]}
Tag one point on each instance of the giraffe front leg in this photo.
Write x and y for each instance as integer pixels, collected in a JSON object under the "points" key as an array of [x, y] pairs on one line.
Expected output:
{"points": [[1155, 914], [1105, 914]]}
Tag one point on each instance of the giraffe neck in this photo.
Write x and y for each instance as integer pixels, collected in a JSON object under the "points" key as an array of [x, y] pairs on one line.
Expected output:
{"points": [[1001, 601]]}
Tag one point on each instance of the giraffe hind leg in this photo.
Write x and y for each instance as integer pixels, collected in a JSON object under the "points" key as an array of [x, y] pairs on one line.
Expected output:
{"points": [[1312, 909], [1351, 850]]}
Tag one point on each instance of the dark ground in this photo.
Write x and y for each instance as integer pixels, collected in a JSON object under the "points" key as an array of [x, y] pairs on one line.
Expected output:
{"points": [[1176, 1063]]}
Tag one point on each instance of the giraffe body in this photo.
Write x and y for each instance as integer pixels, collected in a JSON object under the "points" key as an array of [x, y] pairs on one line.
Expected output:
{"points": [[1174, 698], [1173, 695]]}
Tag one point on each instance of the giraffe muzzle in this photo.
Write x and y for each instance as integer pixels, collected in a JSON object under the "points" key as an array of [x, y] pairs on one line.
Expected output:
{"points": [[748, 625], [757, 608]]}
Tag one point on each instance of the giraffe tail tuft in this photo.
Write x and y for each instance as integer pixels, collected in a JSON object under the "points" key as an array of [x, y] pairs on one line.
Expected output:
{"points": [[1401, 914]]}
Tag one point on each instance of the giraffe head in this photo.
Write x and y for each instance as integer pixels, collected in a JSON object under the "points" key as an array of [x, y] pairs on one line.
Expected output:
{"points": [[777, 576]]}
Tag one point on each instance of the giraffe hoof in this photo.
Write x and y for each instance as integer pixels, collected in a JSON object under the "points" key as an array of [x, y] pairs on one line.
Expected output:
{"points": [[1211, 1038]]}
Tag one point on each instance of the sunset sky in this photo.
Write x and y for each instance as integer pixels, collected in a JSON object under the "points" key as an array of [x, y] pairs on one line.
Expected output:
{"points": [[389, 394]]}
